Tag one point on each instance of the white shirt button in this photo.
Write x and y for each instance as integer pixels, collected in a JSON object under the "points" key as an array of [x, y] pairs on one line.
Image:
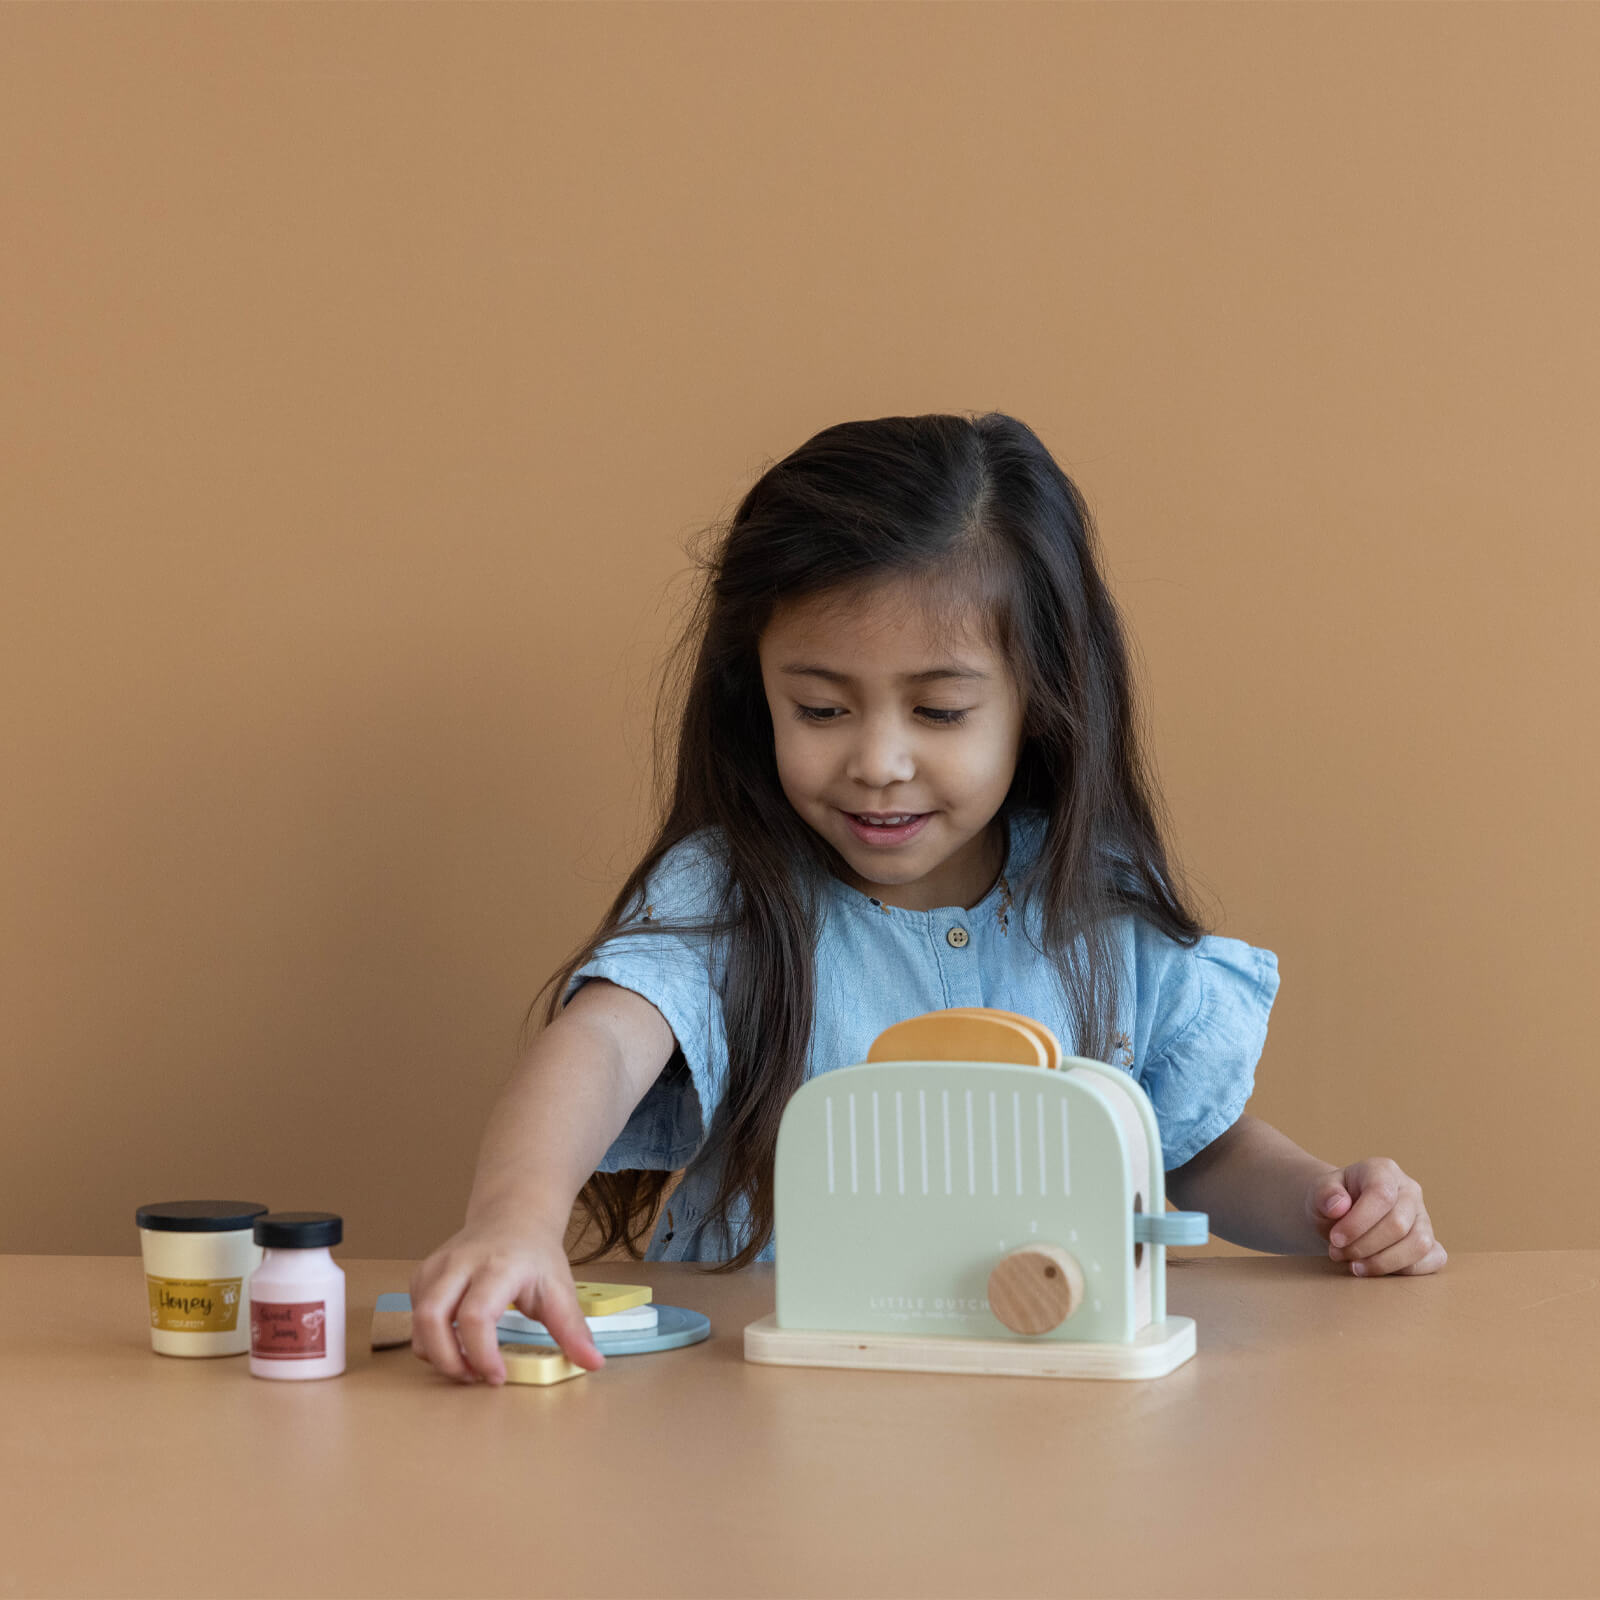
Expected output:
{"points": [[957, 937]]}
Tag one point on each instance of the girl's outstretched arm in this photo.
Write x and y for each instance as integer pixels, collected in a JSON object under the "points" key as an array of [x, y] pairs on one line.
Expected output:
{"points": [[1261, 1190], [567, 1100]]}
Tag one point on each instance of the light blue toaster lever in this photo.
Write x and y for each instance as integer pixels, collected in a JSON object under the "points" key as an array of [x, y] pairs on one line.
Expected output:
{"points": [[1170, 1227]]}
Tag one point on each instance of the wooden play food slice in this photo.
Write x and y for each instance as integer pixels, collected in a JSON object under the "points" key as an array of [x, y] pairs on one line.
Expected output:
{"points": [[601, 1299], [1052, 1045], [529, 1364], [639, 1320], [958, 1035]]}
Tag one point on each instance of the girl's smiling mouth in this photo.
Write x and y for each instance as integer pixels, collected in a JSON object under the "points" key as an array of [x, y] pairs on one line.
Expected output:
{"points": [[886, 834]]}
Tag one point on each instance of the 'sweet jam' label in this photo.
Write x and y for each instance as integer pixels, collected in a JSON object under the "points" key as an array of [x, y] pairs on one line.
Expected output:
{"points": [[295, 1332]]}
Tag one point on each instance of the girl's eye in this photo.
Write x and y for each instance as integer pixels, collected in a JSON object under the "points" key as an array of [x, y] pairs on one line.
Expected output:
{"points": [[942, 719]]}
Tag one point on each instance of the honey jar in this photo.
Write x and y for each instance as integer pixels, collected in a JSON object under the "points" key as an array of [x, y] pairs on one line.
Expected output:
{"points": [[198, 1258]]}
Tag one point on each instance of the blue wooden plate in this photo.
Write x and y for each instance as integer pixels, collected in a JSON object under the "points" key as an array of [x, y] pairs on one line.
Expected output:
{"points": [[675, 1328]]}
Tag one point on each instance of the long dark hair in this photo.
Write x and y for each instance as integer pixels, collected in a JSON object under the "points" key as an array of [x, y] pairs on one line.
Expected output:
{"points": [[976, 512]]}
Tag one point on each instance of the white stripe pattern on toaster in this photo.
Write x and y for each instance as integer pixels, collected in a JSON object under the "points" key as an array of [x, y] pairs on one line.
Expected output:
{"points": [[949, 1165]]}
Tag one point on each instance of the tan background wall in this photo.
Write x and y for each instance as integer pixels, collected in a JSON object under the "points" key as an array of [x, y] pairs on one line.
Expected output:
{"points": [[367, 368]]}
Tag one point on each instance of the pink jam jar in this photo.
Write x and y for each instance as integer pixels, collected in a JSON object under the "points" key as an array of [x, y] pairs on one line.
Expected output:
{"points": [[297, 1297]]}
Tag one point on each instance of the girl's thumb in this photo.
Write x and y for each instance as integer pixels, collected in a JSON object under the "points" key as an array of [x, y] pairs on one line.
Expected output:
{"points": [[1334, 1201]]}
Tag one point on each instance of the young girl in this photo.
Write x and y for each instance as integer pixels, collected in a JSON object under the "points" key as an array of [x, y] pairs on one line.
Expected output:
{"points": [[907, 777]]}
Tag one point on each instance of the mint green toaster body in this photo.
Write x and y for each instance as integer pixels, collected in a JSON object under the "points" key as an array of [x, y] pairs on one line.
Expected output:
{"points": [[901, 1184]]}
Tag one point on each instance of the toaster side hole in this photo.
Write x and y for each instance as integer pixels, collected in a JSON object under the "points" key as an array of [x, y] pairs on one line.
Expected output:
{"points": [[1138, 1248]]}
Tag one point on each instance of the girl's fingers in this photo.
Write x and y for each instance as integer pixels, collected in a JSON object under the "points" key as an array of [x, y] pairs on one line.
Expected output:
{"points": [[432, 1338], [1376, 1196], [455, 1320], [477, 1327], [560, 1313], [1389, 1229], [1431, 1262], [1417, 1253]]}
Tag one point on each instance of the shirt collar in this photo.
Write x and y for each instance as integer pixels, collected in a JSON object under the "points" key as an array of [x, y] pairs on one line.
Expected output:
{"points": [[1024, 833]]}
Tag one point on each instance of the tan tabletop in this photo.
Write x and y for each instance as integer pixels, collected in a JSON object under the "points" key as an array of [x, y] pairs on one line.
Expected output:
{"points": [[1398, 1436]]}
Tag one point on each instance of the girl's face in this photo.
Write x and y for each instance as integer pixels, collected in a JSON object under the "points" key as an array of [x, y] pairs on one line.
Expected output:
{"points": [[856, 729]]}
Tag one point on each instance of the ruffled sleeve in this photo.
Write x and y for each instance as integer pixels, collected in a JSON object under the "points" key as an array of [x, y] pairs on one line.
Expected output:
{"points": [[680, 975], [1202, 1023]]}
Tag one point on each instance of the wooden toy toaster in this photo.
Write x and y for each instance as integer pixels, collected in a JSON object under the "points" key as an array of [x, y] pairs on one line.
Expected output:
{"points": [[969, 1200]]}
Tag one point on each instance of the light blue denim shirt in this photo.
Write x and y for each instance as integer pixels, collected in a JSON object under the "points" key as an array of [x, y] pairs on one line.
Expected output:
{"points": [[1191, 1024]]}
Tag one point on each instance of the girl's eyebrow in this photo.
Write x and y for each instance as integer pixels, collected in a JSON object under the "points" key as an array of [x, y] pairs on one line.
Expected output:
{"points": [[800, 669]]}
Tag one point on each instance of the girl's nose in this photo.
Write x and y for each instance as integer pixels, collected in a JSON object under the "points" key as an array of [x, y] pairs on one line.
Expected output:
{"points": [[880, 755]]}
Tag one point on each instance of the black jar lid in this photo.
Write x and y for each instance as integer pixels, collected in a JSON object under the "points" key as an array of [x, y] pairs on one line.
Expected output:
{"points": [[199, 1216], [298, 1230]]}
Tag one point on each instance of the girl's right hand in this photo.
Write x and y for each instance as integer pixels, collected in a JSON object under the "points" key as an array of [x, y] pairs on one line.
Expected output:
{"points": [[472, 1278]]}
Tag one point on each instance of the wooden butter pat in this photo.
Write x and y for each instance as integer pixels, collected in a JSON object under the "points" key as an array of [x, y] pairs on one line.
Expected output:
{"points": [[528, 1364]]}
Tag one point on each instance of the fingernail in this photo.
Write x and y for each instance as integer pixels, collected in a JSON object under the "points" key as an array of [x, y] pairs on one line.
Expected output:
{"points": [[1358, 1268], [1335, 1238]]}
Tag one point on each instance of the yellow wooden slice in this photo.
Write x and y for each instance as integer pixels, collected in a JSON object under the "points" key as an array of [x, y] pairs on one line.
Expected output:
{"points": [[1052, 1045], [529, 1364], [606, 1299], [957, 1035], [601, 1299]]}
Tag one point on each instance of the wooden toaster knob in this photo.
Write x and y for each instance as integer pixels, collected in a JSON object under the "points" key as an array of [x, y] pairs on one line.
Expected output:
{"points": [[1035, 1289]]}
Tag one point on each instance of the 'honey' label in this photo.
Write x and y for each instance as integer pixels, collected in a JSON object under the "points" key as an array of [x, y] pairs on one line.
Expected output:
{"points": [[194, 1305], [288, 1332]]}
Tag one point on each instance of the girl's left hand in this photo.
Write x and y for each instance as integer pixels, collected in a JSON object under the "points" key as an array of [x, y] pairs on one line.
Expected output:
{"points": [[1372, 1216]]}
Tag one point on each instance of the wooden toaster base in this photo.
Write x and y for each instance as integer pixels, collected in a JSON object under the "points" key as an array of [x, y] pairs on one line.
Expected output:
{"points": [[1153, 1352]]}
